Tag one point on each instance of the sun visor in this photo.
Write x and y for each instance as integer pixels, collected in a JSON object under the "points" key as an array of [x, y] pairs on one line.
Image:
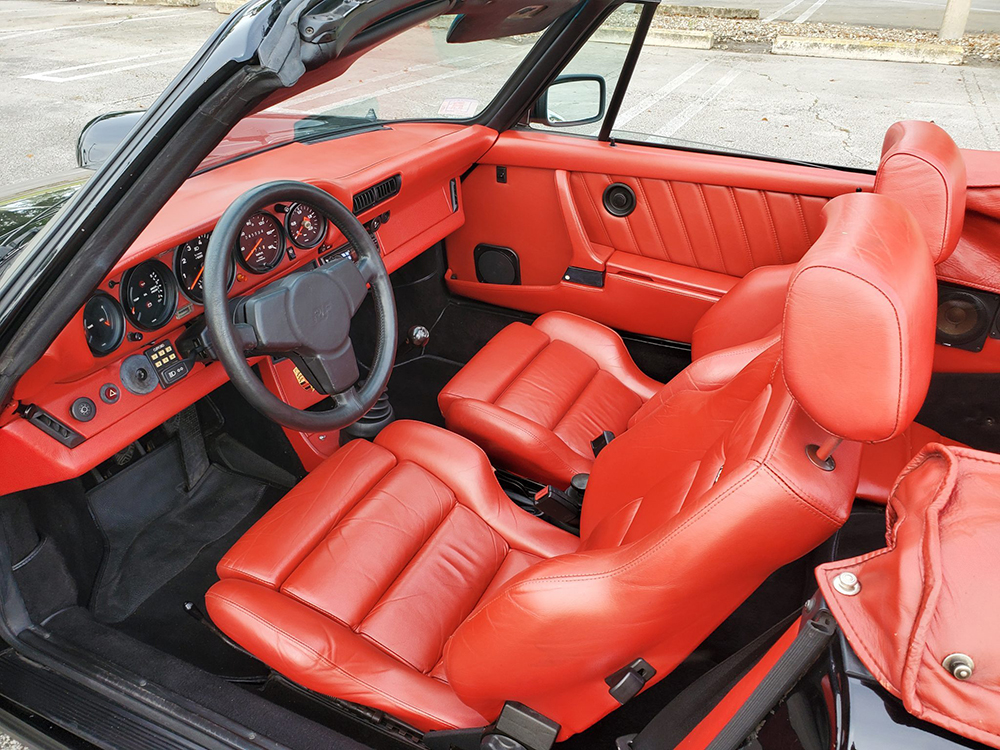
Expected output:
{"points": [[922, 613], [478, 21]]}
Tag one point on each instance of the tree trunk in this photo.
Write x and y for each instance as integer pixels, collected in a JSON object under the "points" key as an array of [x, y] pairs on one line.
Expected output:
{"points": [[956, 15]]}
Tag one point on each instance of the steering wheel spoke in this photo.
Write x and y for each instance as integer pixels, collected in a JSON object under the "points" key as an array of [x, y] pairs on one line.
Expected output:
{"points": [[246, 337], [330, 373]]}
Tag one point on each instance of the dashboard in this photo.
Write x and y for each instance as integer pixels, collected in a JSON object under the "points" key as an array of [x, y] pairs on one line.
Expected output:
{"points": [[129, 358]]}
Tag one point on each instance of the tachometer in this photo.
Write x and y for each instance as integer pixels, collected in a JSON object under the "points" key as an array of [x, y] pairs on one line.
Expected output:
{"points": [[189, 265], [261, 243], [305, 225], [149, 295], [103, 324]]}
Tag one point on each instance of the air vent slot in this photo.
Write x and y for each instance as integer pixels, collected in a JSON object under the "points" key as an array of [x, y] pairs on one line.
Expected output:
{"points": [[377, 193]]}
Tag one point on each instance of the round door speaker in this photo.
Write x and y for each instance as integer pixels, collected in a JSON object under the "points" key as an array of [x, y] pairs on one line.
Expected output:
{"points": [[962, 318], [619, 199]]}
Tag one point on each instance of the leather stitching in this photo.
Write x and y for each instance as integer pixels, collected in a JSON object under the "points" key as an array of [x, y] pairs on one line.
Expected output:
{"points": [[652, 219], [743, 229], [711, 226], [320, 657], [774, 229]]}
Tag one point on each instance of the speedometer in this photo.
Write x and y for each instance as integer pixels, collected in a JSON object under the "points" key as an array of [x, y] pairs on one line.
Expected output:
{"points": [[189, 265], [149, 295], [306, 226], [261, 243]]}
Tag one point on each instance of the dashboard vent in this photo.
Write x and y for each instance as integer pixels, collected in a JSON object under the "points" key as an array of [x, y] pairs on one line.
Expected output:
{"points": [[377, 193]]}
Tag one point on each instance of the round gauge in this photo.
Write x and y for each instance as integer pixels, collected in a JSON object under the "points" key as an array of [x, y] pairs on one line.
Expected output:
{"points": [[261, 243], [103, 324], [149, 294], [189, 265], [305, 225]]}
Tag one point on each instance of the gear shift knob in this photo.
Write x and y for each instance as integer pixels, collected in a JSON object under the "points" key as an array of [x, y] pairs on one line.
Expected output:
{"points": [[419, 336]]}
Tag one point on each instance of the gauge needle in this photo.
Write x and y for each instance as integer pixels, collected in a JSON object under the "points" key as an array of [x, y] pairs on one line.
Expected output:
{"points": [[196, 278], [253, 249]]}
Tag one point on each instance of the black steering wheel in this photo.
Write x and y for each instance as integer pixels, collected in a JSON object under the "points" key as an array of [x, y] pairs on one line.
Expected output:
{"points": [[305, 316]]}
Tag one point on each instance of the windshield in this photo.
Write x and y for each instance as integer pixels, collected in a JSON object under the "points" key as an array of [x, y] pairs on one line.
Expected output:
{"points": [[415, 75]]}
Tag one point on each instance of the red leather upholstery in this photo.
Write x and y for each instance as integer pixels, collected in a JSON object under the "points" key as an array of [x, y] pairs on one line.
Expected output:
{"points": [[399, 576], [932, 592], [749, 311], [354, 582], [923, 169], [855, 279], [535, 396]]}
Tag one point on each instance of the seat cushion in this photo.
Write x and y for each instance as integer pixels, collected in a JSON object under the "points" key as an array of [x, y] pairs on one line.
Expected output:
{"points": [[354, 582], [536, 396]]}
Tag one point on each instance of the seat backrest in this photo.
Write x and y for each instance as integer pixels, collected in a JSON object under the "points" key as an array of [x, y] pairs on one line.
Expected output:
{"points": [[692, 508], [921, 167]]}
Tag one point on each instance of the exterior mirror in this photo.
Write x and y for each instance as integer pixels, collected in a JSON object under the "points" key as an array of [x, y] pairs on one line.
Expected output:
{"points": [[102, 135], [571, 100]]}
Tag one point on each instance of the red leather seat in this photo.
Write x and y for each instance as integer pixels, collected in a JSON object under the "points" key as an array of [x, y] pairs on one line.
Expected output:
{"points": [[398, 574], [535, 396]]}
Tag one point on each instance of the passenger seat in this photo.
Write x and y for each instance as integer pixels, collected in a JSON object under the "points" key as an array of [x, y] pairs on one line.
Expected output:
{"points": [[535, 397]]}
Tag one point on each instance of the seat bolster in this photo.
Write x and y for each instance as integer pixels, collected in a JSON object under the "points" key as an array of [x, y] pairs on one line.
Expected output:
{"points": [[602, 345], [750, 310], [466, 470], [494, 367], [323, 655], [882, 463], [518, 444], [708, 373]]}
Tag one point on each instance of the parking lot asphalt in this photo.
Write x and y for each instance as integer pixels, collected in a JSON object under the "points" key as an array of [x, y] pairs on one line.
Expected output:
{"points": [[63, 63]]}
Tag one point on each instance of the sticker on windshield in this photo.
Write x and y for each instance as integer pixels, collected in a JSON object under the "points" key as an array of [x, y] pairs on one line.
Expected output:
{"points": [[459, 108]]}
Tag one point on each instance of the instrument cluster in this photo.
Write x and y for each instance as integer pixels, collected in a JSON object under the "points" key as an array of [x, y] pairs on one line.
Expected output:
{"points": [[151, 292]]}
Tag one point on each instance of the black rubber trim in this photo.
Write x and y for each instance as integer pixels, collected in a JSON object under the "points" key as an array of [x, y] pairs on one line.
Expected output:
{"points": [[628, 67]]}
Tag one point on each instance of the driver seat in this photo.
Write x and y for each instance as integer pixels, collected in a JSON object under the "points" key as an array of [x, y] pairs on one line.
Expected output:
{"points": [[398, 575]]}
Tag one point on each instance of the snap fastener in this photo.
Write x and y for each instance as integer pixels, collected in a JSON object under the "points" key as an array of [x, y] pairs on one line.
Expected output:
{"points": [[959, 665], [847, 584]]}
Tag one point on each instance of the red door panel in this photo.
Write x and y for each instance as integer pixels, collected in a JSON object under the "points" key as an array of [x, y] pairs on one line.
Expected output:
{"points": [[702, 221]]}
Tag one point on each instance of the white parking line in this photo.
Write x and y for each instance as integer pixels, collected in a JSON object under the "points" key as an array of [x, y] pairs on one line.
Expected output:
{"points": [[681, 119], [783, 11], [651, 100], [55, 77], [809, 11], [17, 33]]}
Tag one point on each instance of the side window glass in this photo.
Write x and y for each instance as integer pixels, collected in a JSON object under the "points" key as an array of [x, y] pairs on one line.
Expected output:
{"points": [[577, 100]]}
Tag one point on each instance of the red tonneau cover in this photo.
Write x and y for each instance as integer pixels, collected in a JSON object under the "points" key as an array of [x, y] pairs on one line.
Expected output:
{"points": [[933, 593]]}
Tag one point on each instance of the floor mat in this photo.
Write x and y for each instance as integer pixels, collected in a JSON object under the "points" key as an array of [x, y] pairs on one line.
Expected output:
{"points": [[414, 386], [154, 528]]}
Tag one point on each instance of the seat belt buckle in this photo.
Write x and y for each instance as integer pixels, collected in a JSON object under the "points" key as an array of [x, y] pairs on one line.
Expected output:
{"points": [[600, 442], [558, 505]]}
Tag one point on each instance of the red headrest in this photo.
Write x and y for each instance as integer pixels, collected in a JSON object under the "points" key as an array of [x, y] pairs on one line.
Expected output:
{"points": [[859, 320], [923, 169]]}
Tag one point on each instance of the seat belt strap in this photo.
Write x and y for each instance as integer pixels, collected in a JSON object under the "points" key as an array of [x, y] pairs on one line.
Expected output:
{"points": [[791, 666]]}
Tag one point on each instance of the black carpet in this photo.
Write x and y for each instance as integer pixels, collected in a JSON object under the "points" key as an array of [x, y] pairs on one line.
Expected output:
{"points": [[154, 528]]}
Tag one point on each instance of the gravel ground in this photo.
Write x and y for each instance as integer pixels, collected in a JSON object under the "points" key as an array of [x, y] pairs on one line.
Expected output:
{"points": [[737, 33]]}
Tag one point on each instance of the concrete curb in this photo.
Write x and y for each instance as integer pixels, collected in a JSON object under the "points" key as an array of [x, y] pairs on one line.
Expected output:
{"points": [[657, 37], [853, 49], [225, 7], [707, 11], [172, 3]]}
